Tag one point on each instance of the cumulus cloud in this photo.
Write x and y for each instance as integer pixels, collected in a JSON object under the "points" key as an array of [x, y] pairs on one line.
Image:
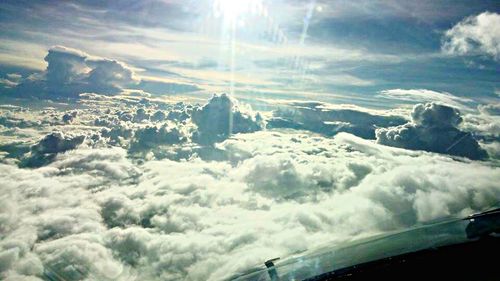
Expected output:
{"points": [[475, 35], [433, 128], [153, 136], [65, 65], [159, 115], [221, 117]]}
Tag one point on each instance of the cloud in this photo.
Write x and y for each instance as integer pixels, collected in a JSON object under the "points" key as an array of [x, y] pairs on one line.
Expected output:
{"points": [[47, 148], [435, 115], [196, 220], [433, 128], [108, 76], [486, 127], [329, 120], [71, 72], [8, 83], [152, 137], [424, 95], [65, 65], [79, 257], [475, 35], [492, 109], [140, 115], [221, 117], [184, 210], [68, 117]]}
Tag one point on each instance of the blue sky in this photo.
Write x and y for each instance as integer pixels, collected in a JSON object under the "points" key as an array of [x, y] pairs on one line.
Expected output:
{"points": [[336, 51]]}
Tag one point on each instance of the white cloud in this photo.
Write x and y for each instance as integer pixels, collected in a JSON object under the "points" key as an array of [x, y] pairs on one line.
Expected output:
{"points": [[79, 257], [97, 212], [424, 95], [486, 127], [475, 35], [8, 83], [207, 220]]}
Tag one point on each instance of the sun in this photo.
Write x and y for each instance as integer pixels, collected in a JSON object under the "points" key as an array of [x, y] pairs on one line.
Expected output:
{"points": [[233, 9]]}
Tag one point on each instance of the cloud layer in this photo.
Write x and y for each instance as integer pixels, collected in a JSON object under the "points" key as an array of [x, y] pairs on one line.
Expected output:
{"points": [[134, 188], [93, 213]]}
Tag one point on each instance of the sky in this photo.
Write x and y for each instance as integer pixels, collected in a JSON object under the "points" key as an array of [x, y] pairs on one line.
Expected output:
{"points": [[322, 50], [196, 139]]}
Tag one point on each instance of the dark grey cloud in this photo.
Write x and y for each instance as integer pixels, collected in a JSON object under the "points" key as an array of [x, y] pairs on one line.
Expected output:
{"points": [[319, 118], [152, 137], [47, 148], [179, 114], [68, 117], [141, 115], [159, 115], [117, 135], [221, 117], [433, 128]]}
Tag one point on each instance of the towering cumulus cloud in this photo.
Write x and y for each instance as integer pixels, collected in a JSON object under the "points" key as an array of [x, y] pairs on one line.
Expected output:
{"points": [[71, 72], [433, 128], [221, 117]]}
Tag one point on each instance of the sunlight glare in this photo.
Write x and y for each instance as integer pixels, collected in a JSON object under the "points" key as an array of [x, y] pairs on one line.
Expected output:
{"points": [[233, 9]]}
